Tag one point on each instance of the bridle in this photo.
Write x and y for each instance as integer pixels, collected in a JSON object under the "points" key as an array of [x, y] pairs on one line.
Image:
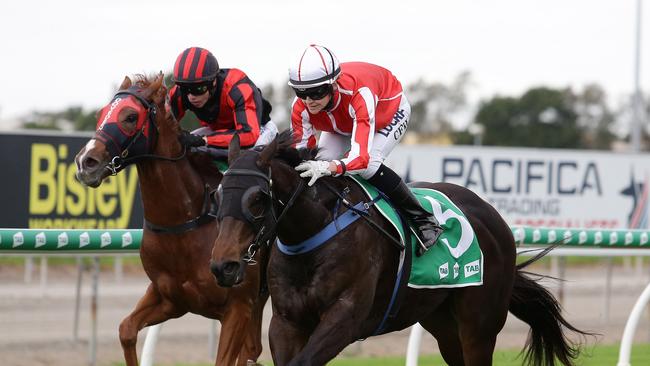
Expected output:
{"points": [[121, 158], [266, 223]]}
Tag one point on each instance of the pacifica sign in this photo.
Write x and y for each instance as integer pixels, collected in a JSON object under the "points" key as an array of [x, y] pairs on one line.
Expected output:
{"points": [[540, 187]]}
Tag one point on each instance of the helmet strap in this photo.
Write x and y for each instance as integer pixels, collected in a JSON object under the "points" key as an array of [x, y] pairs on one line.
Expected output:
{"points": [[333, 94], [213, 88]]}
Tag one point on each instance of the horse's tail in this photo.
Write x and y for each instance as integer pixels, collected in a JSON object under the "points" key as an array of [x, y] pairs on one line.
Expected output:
{"points": [[536, 306]]}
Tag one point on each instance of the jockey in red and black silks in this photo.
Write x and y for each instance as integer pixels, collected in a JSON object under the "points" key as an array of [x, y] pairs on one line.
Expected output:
{"points": [[225, 101]]}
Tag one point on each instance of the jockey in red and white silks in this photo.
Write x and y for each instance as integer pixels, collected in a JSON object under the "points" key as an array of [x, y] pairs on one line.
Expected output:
{"points": [[368, 117], [362, 113]]}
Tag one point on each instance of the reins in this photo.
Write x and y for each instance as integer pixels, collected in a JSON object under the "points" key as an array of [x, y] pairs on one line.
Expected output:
{"points": [[364, 213]]}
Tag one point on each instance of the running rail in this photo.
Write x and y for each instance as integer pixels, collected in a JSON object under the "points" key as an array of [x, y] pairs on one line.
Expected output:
{"points": [[108, 241]]}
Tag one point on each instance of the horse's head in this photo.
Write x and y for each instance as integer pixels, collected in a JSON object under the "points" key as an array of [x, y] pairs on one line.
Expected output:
{"points": [[245, 211], [127, 127]]}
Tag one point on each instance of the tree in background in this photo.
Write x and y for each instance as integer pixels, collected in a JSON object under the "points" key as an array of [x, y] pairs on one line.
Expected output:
{"points": [[433, 105], [70, 119], [594, 118], [546, 117]]}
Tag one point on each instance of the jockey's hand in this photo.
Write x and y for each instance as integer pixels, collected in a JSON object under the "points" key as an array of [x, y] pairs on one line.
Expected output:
{"points": [[189, 140], [314, 169]]}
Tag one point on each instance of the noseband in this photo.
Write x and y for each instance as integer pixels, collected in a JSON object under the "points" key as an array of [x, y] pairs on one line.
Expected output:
{"points": [[265, 224]]}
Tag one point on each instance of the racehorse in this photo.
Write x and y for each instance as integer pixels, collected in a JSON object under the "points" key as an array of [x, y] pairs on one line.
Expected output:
{"points": [[179, 227], [329, 297]]}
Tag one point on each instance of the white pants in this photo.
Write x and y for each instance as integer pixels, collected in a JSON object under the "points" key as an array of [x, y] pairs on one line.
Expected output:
{"points": [[267, 133], [333, 146]]}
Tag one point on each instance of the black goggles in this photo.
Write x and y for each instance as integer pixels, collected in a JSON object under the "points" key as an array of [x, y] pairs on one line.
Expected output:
{"points": [[315, 93], [195, 89]]}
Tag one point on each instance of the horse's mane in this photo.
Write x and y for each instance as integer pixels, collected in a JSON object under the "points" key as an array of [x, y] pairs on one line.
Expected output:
{"points": [[142, 80], [289, 154]]}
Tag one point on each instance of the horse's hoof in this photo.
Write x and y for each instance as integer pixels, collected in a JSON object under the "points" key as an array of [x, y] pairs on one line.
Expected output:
{"points": [[253, 363]]}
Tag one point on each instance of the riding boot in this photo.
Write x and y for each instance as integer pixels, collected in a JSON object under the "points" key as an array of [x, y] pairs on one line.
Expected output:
{"points": [[427, 227]]}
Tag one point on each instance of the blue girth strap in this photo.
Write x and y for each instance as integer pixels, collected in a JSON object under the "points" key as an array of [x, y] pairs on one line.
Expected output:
{"points": [[338, 224], [333, 228]]}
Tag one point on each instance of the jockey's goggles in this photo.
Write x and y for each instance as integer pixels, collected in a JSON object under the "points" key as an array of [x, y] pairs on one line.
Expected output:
{"points": [[315, 93], [196, 89]]}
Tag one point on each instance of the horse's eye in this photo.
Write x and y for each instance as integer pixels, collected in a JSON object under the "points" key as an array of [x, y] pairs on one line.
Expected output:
{"points": [[132, 118]]}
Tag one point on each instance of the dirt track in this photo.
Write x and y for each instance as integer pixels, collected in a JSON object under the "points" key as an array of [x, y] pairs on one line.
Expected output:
{"points": [[36, 322]]}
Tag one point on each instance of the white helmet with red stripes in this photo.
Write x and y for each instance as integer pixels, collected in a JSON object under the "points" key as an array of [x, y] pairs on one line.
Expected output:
{"points": [[317, 66]]}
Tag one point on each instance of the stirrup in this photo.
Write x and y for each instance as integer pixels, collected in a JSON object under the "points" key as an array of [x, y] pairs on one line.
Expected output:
{"points": [[423, 247]]}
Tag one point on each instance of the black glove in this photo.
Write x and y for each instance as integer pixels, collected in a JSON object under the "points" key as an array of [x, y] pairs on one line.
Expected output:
{"points": [[189, 140]]}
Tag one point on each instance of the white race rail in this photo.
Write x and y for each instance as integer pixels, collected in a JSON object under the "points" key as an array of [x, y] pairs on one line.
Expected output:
{"points": [[630, 328]]}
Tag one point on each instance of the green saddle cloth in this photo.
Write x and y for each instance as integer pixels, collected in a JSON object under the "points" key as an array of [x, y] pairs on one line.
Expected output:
{"points": [[455, 260], [221, 165]]}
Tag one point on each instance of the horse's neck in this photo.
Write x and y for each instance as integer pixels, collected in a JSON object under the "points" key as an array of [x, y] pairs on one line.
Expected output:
{"points": [[172, 192], [306, 216]]}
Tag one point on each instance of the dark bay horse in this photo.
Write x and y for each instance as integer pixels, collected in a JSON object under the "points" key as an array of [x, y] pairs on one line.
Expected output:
{"points": [[179, 231], [329, 297]]}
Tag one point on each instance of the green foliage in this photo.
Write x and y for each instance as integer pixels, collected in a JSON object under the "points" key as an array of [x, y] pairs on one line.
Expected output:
{"points": [[545, 117], [71, 118], [434, 104]]}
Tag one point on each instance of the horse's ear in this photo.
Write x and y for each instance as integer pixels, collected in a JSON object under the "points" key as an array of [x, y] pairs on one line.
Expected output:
{"points": [[233, 149], [267, 154], [161, 93], [126, 83], [153, 88]]}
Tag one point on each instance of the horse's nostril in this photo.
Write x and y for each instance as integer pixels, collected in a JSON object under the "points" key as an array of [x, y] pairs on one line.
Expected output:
{"points": [[89, 163], [230, 268]]}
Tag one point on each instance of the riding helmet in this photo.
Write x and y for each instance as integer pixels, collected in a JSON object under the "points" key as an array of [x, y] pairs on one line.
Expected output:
{"points": [[317, 66], [195, 65]]}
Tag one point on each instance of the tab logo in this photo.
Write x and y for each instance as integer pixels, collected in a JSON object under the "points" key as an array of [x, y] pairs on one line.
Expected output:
{"points": [[62, 240], [472, 268], [443, 270]]}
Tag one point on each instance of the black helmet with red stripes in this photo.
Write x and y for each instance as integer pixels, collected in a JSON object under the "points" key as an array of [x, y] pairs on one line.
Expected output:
{"points": [[195, 65]]}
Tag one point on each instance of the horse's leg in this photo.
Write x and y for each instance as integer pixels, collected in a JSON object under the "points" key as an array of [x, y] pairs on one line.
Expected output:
{"points": [[285, 339], [253, 342], [151, 309], [335, 331], [481, 314], [444, 328], [235, 325]]}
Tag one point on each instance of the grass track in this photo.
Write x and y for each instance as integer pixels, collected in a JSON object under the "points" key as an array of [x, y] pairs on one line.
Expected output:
{"points": [[592, 356]]}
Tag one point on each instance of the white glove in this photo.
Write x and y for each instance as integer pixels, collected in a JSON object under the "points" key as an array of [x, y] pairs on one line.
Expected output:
{"points": [[314, 169]]}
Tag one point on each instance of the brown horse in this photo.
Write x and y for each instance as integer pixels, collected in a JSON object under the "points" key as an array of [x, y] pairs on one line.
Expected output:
{"points": [[329, 297], [179, 229]]}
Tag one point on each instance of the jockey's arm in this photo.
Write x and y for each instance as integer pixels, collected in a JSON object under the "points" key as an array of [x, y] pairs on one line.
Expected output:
{"points": [[246, 116], [363, 105]]}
